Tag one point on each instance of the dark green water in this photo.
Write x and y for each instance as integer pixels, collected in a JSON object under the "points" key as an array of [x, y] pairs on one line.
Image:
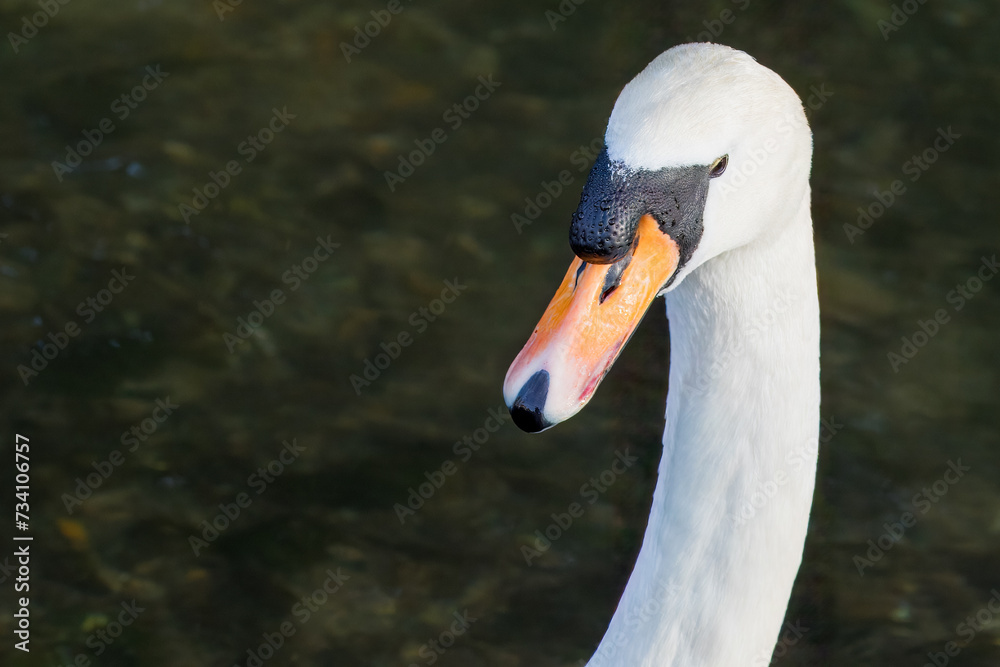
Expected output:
{"points": [[370, 257]]}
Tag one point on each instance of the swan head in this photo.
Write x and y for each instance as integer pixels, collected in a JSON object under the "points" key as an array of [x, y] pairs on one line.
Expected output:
{"points": [[706, 151]]}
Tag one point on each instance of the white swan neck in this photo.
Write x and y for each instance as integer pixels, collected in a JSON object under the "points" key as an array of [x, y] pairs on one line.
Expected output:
{"points": [[731, 504]]}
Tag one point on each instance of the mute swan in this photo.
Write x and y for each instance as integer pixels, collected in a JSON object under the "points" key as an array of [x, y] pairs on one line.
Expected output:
{"points": [[701, 194]]}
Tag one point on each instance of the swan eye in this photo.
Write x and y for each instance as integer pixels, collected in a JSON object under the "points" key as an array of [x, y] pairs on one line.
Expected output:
{"points": [[718, 166]]}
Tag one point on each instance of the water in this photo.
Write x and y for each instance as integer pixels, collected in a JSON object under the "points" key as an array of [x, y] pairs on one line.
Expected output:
{"points": [[370, 257]]}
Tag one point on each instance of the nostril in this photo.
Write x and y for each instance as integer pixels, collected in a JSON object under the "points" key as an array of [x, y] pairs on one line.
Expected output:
{"points": [[613, 278], [579, 272]]}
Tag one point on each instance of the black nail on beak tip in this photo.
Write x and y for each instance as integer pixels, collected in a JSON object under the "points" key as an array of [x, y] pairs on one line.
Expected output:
{"points": [[527, 409]]}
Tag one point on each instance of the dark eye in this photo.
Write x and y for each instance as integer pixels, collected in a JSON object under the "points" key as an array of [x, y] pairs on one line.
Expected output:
{"points": [[718, 167]]}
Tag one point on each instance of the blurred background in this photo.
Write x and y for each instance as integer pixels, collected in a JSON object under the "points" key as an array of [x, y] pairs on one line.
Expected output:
{"points": [[261, 279]]}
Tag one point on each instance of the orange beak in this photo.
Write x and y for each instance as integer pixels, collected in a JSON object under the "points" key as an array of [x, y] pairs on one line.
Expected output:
{"points": [[584, 328]]}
